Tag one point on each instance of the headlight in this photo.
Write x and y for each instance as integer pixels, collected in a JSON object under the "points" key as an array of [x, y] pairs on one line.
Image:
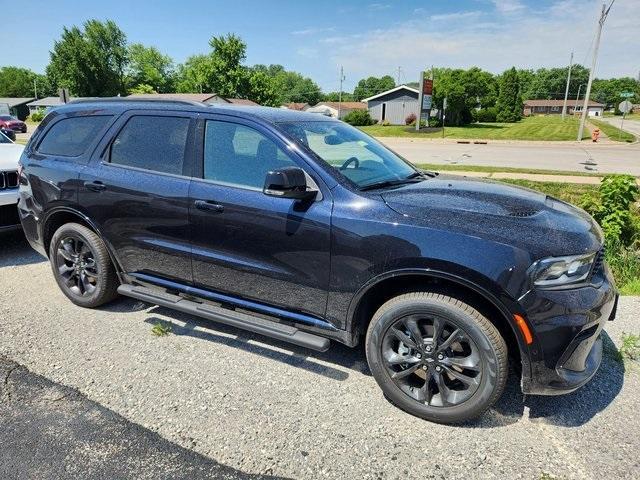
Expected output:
{"points": [[559, 271]]}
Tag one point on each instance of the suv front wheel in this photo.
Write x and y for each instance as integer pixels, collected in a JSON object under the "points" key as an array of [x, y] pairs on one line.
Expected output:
{"points": [[436, 357], [82, 267]]}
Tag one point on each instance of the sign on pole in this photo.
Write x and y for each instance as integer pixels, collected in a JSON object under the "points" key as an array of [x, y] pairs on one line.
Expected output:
{"points": [[625, 107], [425, 99]]}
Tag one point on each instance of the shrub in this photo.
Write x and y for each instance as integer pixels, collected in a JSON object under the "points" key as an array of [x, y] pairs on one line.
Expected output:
{"points": [[611, 208], [485, 115], [411, 119], [37, 116], [359, 118]]}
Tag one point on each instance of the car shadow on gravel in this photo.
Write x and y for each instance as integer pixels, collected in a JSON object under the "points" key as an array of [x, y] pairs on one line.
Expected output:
{"points": [[52, 431], [570, 410], [15, 250], [299, 357]]}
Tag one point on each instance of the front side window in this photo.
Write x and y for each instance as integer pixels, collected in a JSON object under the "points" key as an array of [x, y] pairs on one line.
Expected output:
{"points": [[353, 153], [70, 137], [155, 143], [238, 155]]}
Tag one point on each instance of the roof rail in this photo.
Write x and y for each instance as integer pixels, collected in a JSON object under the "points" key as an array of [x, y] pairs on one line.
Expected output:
{"points": [[135, 100]]}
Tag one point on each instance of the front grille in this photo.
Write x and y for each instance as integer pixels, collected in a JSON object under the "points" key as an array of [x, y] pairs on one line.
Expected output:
{"points": [[8, 180]]}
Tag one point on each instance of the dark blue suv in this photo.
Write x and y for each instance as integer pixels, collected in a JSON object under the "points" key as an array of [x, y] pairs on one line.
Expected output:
{"points": [[304, 229]]}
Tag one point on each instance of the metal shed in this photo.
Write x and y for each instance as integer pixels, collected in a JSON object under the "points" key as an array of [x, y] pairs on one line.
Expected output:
{"points": [[394, 105]]}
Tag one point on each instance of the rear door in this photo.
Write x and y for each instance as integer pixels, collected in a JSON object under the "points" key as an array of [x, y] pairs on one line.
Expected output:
{"points": [[270, 250], [136, 189]]}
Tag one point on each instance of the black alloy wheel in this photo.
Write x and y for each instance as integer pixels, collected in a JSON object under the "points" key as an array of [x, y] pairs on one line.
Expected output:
{"points": [[77, 265], [432, 360]]}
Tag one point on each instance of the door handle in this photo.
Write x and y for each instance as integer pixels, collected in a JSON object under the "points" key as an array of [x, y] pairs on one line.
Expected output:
{"points": [[96, 186], [209, 206]]}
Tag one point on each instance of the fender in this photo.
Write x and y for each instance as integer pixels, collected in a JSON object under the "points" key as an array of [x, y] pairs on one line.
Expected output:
{"points": [[88, 221], [507, 311]]}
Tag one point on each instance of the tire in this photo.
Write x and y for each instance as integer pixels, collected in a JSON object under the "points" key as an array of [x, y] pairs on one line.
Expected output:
{"points": [[82, 267], [456, 371]]}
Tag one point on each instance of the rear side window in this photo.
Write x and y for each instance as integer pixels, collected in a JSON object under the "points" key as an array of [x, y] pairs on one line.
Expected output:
{"points": [[152, 143], [70, 137]]}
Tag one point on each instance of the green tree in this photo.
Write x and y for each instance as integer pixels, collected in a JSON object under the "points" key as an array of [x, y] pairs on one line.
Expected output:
{"points": [[608, 91], [262, 89], [194, 75], [335, 96], [90, 62], [19, 82], [509, 104], [550, 83], [368, 87], [148, 66], [291, 86]]}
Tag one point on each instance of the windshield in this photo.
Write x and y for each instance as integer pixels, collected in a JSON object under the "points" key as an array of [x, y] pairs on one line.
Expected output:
{"points": [[354, 154]]}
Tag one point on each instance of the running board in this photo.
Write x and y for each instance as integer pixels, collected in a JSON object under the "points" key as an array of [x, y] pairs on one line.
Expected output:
{"points": [[236, 319]]}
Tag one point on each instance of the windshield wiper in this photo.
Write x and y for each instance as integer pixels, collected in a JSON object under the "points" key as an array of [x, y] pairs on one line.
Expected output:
{"points": [[389, 183]]}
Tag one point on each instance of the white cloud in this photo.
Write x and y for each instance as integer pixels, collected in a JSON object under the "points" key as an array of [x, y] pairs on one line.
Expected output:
{"points": [[313, 31], [516, 35], [508, 6], [379, 6]]}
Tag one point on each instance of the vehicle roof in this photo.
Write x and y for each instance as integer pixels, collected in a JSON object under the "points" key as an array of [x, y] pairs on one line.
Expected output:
{"points": [[119, 105]]}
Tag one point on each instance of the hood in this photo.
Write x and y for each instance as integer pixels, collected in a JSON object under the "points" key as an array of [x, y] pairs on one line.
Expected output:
{"points": [[498, 211], [9, 155]]}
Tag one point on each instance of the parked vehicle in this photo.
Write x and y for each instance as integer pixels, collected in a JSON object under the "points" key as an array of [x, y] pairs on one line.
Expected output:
{"points": [[304, 229], [12, 123], [9, 157]]}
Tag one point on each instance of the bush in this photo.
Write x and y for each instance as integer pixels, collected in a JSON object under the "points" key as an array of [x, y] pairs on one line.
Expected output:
{"points": [[485, 115], [37, 116], [411, 119], [611, 208], [359, 118]]}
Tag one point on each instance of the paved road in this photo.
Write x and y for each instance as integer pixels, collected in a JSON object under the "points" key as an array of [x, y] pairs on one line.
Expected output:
{"points": [[252, 406], [570, 156], [632, 126]]}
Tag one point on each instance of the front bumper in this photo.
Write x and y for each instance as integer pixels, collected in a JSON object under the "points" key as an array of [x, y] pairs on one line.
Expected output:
{"points": [[567, 327]]}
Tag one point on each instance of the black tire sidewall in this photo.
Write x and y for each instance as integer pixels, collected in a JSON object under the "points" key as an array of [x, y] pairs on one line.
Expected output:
{"points": [[484, 395]]}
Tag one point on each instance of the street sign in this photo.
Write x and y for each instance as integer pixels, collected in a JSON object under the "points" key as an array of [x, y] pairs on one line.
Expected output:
{"points": [[425, 98], [625, 107], [627, 94]]}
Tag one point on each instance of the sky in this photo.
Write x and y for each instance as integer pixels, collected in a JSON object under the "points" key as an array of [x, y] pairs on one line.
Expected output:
{"points": [[365, 37]]}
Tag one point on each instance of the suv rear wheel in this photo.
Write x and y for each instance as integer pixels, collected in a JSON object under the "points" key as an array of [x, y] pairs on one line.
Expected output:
{"points": [[436, 357], [82, 266]]}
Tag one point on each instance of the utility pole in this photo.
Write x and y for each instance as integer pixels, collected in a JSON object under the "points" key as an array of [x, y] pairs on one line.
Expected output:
{"points": [[340, 93], [35, 88], [585, 106], [575, 108], [566, 90], [399, 70]]}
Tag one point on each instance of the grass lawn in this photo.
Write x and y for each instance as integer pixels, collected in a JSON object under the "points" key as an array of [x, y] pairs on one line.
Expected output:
{"points": [[481, 168], [614, 133], [550, 127]]}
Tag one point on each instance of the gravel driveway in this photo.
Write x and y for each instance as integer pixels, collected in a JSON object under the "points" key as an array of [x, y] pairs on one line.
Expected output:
{"points": [[257, 406]]}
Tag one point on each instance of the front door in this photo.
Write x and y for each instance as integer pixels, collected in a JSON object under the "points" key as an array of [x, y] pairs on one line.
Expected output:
{"points": [[269, 250], [137, 191]]}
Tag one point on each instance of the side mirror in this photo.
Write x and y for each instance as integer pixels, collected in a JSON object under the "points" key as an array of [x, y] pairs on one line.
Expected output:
{"points": [[290, 182]]}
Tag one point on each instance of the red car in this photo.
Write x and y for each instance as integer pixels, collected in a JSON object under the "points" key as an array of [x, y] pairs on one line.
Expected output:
{"points": [[12, 123]]}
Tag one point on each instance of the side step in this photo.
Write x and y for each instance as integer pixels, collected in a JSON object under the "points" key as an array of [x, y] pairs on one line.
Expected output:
{"points": [[241, 320]]}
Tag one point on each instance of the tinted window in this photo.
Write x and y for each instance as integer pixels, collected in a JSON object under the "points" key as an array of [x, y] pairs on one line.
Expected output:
{"points": [[70, 137], [152, 143], [238, 155]]}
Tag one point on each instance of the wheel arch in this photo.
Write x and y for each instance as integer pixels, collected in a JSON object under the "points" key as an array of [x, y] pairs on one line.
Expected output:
{"points": [[390, 284], [59, 216]]}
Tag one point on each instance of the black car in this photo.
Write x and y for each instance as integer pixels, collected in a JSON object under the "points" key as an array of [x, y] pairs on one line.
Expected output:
{"points": [[304, 229], [7, 132]]}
